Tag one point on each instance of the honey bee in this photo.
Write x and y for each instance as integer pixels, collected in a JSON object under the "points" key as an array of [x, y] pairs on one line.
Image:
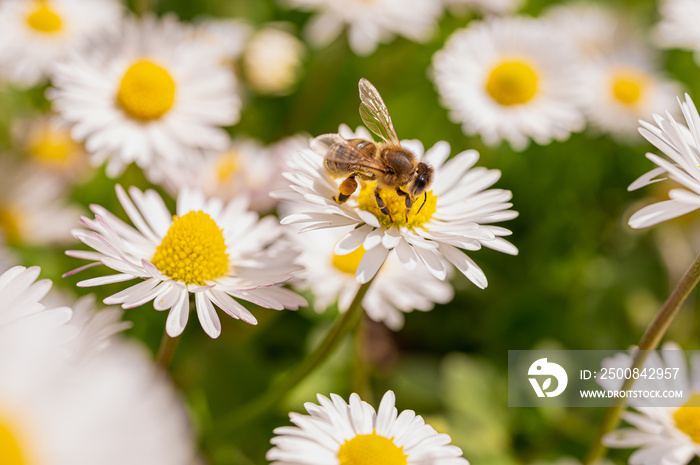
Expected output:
{"points": [[390, 165]]}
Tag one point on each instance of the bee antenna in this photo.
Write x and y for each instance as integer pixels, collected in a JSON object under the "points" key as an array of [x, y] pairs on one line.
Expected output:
{"points": [[425, 199]]}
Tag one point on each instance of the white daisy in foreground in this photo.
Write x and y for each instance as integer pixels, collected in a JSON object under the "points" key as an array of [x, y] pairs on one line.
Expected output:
{"points": [[510, 79], [678, 26], [216, 251], [272, 61], [153, 97], [456, 213], [331, 277], [35, 34], [340, 433], [69, 397], [681, 144], [370, 22], [499, 7], [661, 435], [33, 207]]}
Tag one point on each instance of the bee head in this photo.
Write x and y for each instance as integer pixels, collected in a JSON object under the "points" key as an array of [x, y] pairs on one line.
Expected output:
{"points": [[421, 179]]}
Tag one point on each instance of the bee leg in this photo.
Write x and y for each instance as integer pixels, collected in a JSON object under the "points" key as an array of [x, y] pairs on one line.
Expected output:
{"points": [[425, 199], [382, 206], [346, 189], [408, 200]]}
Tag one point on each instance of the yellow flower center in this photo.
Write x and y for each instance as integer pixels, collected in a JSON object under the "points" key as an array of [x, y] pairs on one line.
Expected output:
{"points": [[371, 449], [227, 166], [53, 147], [193, 251], [349, 263], [44, 19], [512, 83], [12, 451], [396, 204], [628, 86], [688, 418], [147, 91], [11, 222]]}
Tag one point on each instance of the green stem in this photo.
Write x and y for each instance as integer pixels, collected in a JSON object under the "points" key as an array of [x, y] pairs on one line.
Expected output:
{"points": [[279, 390], [361, 383], [650, 341], [166, 351], [144, 6]]}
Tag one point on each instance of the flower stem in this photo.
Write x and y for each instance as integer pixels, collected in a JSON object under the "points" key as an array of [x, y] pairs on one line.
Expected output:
{"points": [[650, 341], [166, 350], [144, 6], [279, 390]]}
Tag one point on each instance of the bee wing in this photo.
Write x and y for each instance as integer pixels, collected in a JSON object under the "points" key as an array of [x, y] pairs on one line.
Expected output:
{"points": [[374, 113], [350, 154]]}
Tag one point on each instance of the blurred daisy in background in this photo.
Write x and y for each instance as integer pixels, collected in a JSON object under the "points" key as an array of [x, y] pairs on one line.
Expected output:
{"points": [[73, 393], [331, 277], [678, 25], [668, 435], [340, 433], [485, 7], [216, 251], [681, 144], [154, 96], [35, 34], [272, 61], [510, 79], [48, 145], [455, 214], [33, 206], [247, 168], [225, 38], [369, 23]]}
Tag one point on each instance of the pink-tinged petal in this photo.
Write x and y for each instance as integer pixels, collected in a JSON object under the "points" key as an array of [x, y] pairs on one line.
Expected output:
{"points": [[101, 281], [167, 298], [207, 315], [234, 309], [177, 318]]}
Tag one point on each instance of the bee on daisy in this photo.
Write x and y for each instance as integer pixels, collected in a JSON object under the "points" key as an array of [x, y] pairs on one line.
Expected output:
{"points": [[154, 96], [213, 252], [353, 433], [510, 79], [408, 200]]}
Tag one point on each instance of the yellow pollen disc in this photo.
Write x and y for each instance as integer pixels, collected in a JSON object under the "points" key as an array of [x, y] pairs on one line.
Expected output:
{"points": [[371, 449], [44, 19], [11, 223], [349, 263], [628, 86], [227, 166], [53, 147], [147, 91], [688, 418], [512, 83], [397, 207], [10, 446], [193, 251]]}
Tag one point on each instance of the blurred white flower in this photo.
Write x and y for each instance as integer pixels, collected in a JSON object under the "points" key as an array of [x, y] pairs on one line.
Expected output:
{"points": [[71, 394], [681, 144], [272, 61], [33, 207], [226, 38], [35, 34], [510, 79], [661, 435], [370, 22], [455, 214], [331, 277], [486, 7], [336, 432], [678, 25], [214, 250], [154, 96]]}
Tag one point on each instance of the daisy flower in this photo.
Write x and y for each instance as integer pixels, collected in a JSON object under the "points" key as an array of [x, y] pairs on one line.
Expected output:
{"points": [[370, 22], [64, 400], [30, 200], [678, 26], [153, 97], [510, 79], [331, 277], [216, 251], [340, 433], [681, 144], [455, 214], [272, 61], [667, 435], [36, 34]]}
